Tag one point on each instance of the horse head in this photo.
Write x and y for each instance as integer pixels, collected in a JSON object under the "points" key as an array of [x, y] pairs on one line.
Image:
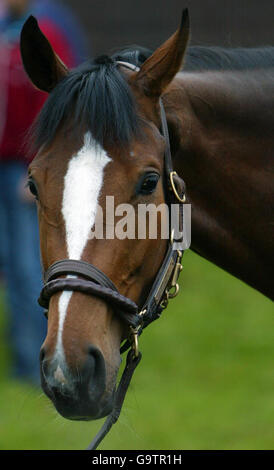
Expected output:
{"points": [[98, 140]]}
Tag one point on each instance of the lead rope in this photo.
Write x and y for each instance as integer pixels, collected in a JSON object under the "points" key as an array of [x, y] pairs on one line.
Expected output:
{"points": [[131, 364]]}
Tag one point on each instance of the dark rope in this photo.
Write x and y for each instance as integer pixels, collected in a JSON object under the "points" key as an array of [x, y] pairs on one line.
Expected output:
{"points": [[131, 364]]}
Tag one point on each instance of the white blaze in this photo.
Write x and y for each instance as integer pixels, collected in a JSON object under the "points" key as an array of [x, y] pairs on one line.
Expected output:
{"points": [[83, 183], [82, 186]]}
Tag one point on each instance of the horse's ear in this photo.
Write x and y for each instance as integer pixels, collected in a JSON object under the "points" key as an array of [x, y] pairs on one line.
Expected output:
{"points": [[44, 68], [160, 68]]}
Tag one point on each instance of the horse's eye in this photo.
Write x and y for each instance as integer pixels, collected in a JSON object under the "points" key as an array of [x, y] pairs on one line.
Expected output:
{"points": [[33, 188], [148, 183]]}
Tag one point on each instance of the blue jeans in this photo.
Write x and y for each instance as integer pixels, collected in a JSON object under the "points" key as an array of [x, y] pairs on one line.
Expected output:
{"points": [[20, 263]]}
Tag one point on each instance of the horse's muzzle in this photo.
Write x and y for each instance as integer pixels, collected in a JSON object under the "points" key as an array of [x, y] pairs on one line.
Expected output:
{"points": [[79, 394]]}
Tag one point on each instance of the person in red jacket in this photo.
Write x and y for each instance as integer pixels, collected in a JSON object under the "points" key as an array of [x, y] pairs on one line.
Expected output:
{"points": [[20, 103]]}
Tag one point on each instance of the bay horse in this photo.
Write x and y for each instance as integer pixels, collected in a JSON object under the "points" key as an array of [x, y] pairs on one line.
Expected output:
{"points": [[100, 134]]}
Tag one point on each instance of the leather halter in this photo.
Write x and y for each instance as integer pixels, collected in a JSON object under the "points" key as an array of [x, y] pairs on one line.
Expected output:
{"points": [[93, 281]]}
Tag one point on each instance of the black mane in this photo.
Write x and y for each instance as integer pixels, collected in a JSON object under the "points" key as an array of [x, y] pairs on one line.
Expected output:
{"points": [[201, 58], [96, 96]]}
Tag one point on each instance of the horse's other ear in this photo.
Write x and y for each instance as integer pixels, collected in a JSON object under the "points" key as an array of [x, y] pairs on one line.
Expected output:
{"points": [[160, 68], [44, 68]]}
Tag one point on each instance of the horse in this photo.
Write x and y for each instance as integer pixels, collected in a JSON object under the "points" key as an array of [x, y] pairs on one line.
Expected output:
{"points": [[100, 134]]}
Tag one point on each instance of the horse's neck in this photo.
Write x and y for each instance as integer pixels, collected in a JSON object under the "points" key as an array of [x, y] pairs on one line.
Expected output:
{"points": [[225, 157]]}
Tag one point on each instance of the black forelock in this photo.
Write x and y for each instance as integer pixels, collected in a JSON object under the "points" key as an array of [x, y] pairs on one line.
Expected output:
{"points": [[93, 97]]}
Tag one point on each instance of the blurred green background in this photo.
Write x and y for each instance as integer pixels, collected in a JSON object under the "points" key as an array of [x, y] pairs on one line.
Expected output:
{"points": [[206, 380]]}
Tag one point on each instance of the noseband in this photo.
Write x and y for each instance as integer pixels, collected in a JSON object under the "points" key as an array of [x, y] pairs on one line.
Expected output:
{"points": [[88, 279]]}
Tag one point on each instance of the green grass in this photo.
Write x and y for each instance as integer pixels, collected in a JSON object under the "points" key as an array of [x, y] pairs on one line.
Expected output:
{"points": [[206, 380]]}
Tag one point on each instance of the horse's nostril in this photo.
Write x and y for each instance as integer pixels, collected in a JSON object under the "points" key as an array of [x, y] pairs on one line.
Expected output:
{"points": [[95, 367], [88, 371], [44, 363], [42, 354]]}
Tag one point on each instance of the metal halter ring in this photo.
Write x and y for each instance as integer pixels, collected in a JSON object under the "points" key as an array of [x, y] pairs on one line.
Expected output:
{"points": [[171, 176]]}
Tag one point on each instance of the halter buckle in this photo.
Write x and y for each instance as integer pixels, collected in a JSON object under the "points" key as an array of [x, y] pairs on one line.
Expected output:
{"points": [[135, 334], [173, 289], [177, 270]]}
